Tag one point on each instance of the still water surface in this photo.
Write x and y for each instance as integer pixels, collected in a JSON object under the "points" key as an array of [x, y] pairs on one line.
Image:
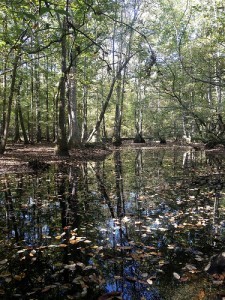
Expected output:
{"points": [[142, 224]]}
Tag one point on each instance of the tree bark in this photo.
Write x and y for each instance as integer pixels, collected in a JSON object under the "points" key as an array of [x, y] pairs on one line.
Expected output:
{"points": [[105, 104], [10, 100], [62, 144]]}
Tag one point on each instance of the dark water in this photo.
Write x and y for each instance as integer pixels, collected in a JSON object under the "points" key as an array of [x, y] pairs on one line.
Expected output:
{"points": [[141, 224]]}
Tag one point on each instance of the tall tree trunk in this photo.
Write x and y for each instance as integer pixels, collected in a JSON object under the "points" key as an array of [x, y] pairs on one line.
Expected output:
{"points": [[25, 137], [84, 132], [17, 127], [106, 103], [10, 100], [37, 101], [74, 131], [31, 111], [139, 114], [62, 144], [47, 104]]}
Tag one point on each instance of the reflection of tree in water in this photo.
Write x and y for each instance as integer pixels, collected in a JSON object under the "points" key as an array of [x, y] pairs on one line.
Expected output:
{"points": [[54, 268], [10, 211], [145, 219], [119, 184]]}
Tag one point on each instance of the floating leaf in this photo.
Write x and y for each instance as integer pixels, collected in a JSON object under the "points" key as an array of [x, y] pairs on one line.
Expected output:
{"points": [[19, 277], [87, 242], [4, 261], [150, 281], [62, 245], [176, 275], [80, 264], [77, 240], [71, 267], [171, 247]]}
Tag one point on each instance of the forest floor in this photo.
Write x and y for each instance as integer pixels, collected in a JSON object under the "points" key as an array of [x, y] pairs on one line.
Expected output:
{"points": [[20, 158]]}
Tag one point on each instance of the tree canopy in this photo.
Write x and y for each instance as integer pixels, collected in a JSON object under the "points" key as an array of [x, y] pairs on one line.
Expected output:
{"points": [[73, 72]]}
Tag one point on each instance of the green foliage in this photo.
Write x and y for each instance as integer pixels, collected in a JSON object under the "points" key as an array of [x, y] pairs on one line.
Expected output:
{"points": [[188, 46]]}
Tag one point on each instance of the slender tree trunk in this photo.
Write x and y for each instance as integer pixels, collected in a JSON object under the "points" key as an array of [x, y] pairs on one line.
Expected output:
{"points": [[84, 133], [25, 137], [31, 111], [47, 104], [10, 100], [4, 102], [106, 103], [37, 101], [74, 131], [62, 144], [17, 127]]}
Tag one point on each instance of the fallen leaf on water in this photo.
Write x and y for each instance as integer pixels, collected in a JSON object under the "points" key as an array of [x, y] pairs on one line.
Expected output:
{"points": [[176, 275], [80, 264], [73, 242], [71, 267], [4, 261], [87, 242], [150, 281], [19, 277], [62, 245], [184, 279], [171, 247], [190, 267]]}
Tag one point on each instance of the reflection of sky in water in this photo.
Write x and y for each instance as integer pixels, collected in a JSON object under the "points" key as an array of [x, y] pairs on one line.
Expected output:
{"points": [[148, 217]]}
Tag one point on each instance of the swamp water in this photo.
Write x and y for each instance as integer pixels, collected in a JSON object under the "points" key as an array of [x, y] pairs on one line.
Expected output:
{"points": [[142, 224]]}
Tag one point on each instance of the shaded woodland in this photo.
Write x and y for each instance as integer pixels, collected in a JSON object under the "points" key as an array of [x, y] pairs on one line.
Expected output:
{"points": [[75, 73], [112, 135]]}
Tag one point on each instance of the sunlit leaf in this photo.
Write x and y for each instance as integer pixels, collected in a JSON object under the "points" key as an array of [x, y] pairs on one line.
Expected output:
{"points": [[176, 275], [171, 247], [87, 241], [62, 245], [4, 261], [125, 219], [20, 276], [162, 229], [80, 264], [71, 267], [138, 222], [150, 281], [75, 241]]}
